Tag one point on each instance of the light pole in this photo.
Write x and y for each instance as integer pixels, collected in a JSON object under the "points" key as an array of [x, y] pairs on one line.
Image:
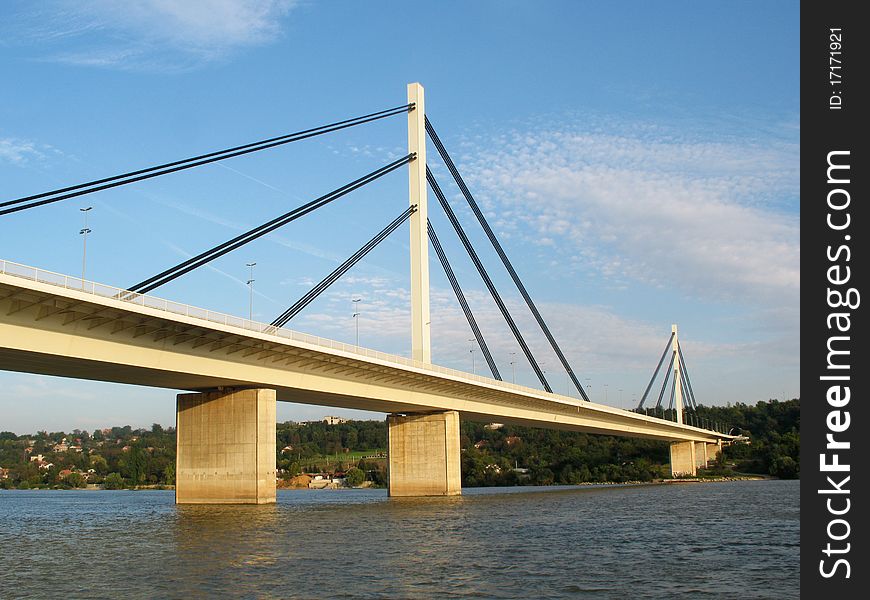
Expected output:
{"points": [[250, 284], [473, 368], [605, 393], [513, 368], [589, 387], [84, 232], [356, 313]]}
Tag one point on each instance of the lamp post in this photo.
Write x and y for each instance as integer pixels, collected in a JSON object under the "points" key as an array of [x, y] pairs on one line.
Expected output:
{"points": [[473, 368], [513, 368], [250, 285], [84, 232], [605, 393], [356, 314]]}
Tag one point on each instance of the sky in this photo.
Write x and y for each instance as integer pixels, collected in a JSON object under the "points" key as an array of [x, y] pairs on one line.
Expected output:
{"points": [[639, 162]]}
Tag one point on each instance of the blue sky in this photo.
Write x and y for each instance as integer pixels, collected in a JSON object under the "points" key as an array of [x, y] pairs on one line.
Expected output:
{"points": [[638, 160]]}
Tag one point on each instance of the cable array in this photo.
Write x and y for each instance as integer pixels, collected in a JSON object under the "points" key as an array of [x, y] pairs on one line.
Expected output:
{"points": [[168, 275], [451, 216], [656, 372], [188, 163], [460, 297], [472, 203]]}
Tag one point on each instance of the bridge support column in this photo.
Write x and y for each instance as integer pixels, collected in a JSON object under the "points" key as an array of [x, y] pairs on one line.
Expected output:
{"points": [[683, 459], [423, 454], [701, 455], [713, 452], [226, 447]]}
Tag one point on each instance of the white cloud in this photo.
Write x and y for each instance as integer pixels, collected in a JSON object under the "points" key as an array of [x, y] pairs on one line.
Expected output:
{"points": [[18, 151], [700, 216], [150, 34]]}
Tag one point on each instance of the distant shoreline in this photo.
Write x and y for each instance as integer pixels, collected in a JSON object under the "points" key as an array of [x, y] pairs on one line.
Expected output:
{"points": [[720, 479]]}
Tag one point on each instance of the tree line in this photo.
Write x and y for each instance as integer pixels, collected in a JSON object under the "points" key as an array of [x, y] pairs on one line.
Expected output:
{"points": [[491, 455]]}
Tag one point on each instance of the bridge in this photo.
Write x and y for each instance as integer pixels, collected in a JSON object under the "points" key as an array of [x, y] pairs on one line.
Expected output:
{"points": [[236, 369]]}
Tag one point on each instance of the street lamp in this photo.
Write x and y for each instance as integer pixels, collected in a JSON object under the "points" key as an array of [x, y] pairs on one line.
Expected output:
{"points": [[250, 284], [84, 232], [473, 368], [513, 368], [605, 393], [356, 314]]}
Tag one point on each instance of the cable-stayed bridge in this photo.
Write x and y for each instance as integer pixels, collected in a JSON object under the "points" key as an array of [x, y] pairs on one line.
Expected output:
{"points": [[236, 369]]}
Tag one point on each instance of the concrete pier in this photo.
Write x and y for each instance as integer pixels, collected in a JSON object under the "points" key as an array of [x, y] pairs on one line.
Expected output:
{"points": [[683, 460], [423, 454], [701, 455], [226, 447], [713, 452]]}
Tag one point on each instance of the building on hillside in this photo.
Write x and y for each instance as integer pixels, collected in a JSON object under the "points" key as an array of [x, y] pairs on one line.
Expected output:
{"points": [[493, 426], [330, 420], [4, 473]]}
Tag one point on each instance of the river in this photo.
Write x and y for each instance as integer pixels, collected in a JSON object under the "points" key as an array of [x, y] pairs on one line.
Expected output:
{"points": [[715, 540]]}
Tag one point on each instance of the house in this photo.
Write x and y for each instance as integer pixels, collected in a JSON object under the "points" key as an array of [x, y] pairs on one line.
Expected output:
{"points": [[64, 473], [75, 448], [37, 458], [493, 426], [480, 444], [330, 420], [45, 466], [61, 447], [287, 448], [4, 473], [512, 439]]}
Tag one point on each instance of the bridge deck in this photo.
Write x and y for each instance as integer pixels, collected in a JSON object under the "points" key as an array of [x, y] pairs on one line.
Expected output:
{"points": [[59, 325]]}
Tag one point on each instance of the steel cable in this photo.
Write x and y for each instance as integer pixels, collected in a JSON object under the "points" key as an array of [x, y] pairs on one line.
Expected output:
{"points": [[197, 261], [502, 255], [179, 165]]}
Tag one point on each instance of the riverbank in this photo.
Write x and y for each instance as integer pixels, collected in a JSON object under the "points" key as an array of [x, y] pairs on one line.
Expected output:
{"points": [[369, 485]]}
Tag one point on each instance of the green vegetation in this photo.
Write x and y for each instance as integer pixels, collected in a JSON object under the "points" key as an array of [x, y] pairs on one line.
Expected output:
{"points": [[117, 457], [122, 457], [355, 477], [774, 431]]}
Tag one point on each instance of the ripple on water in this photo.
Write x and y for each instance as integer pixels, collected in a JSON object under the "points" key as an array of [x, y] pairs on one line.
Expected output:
{"points": [[716, 540]]}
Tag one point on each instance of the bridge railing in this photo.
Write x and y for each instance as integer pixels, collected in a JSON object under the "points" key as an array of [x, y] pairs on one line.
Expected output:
{"points": [[114, 293]]}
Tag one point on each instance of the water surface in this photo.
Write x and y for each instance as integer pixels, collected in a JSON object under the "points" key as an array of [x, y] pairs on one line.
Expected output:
{"points": [[715, 540]]}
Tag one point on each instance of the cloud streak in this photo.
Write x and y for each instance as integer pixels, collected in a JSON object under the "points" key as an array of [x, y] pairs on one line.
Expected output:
{"points": [[18, 152], [150, 34]]}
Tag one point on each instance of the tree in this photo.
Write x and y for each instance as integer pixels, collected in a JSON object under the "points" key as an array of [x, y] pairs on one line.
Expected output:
{"points": [[75, 480], [113, 481], [169, 474], [354, 477]]}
